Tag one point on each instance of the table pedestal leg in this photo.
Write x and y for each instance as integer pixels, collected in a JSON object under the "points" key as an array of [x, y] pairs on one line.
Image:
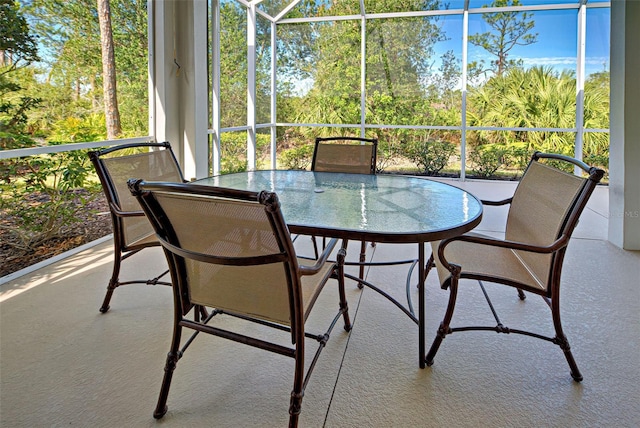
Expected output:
{"points": [[421, 320]]}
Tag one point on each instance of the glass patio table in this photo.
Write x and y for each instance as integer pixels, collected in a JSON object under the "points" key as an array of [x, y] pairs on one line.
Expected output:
{"points": [[374, 208]]}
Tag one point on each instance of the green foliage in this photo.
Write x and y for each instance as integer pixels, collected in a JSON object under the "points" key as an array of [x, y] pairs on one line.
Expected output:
{"points": [[73, 87], [76, 129], [401, 87], [234, 151], [518, 156], [297, 157], [430, 156], [17, 46], [16, 42], [539, 98], [599, 160], [42, 191], [487, 159], [390, 150], [509, 29]]}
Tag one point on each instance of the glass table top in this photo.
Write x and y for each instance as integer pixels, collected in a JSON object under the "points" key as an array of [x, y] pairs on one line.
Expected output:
{"points": [[381, 208]]}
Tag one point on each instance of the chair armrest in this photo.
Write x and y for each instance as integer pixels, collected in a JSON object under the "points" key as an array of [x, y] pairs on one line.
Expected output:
{"points": [[121, 213], [311, 270], [497, 203], [559, 243]]}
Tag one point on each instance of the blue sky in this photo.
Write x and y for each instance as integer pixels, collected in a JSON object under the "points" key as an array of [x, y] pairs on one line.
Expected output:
{"points": [[556, 44]]}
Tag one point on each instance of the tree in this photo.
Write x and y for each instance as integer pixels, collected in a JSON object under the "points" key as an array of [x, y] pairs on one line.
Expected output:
{"points": [[17, 45], [17, 49], [399, 53], [539, 98], [69, 33], [112, 113], [510, 29]]}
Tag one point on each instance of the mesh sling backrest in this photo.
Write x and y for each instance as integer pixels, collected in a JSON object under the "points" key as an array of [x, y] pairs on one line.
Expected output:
{"points": [[230, 228], [153, 166], [538, 213], [353, 157]]}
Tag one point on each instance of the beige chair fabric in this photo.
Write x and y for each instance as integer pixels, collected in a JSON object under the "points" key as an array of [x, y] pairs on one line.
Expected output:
{"points": [[350, 158], [538, 211], [543, 213], [228, 228], [156, 165], [132, 232], [231, 251], [479, 259], [345, 154]]}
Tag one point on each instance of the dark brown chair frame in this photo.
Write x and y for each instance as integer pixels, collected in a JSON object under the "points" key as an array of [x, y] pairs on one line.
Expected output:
{"points": [[551, 294], [176, 256], [123, 251], [364, 141], [373, 143]]}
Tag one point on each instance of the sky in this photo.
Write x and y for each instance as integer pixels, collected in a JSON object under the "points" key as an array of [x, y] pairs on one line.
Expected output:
{"points": [[556, 44]]}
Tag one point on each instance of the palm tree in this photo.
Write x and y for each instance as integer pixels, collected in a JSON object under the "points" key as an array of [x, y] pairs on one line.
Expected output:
{"points": [[538, 97]]}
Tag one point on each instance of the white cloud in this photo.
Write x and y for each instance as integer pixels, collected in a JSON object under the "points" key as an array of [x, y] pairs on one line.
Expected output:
{"points": [[559, 60]]}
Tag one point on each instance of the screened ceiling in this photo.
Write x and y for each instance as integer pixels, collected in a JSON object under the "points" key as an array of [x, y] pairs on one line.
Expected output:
{"points": [[276, 10]]}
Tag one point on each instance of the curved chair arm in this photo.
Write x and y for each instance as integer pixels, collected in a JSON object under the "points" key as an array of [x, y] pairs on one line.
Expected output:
{"points": [[559, 243], [121, 213], [497, 203], [311, 270]]}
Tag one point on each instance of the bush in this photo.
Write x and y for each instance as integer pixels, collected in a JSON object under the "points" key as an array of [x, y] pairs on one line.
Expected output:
{"points": [[42, 192], [599, 160], [518, 156], [488, 158], [297, 157], [234, 151], [430, 156]]}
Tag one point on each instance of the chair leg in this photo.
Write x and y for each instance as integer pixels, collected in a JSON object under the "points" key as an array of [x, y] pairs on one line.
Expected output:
{"points": [[294, 409], [344, 307], [295, 404], [443, 330], [363, 258], [562, 342], [113, 282], [521, 294], [315, 247], [172, 360]]}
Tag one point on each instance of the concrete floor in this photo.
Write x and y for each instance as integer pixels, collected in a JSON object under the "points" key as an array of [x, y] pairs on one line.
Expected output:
{"points": [[62, 363]]}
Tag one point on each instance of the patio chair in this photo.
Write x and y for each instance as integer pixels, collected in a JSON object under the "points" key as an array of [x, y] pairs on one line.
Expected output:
{"points": [[132, 232], [346, 155], [543, 213], [230, 250]]}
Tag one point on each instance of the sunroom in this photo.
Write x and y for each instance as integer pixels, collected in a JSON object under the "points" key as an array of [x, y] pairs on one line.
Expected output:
{"points": [[65, 363]]}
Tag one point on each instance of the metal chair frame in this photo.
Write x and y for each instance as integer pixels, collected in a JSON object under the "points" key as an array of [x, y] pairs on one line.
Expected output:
{"points": [[550, 293], [122, 250], [177, 256]]}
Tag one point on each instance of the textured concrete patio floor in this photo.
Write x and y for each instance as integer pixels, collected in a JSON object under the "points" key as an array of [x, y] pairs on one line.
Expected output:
{"points": [[62, 363]]}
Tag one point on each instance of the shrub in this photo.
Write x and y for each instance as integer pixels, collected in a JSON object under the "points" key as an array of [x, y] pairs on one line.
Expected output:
{"points": [[43, 193], [234, 151], [599, 160], [297, 157], [430, 156], [488, 158]]}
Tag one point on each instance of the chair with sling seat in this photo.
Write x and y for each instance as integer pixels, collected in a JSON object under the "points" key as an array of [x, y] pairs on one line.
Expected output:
{"points": [[543, 213], [346, 155], [231, 250], [132, 232]]}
